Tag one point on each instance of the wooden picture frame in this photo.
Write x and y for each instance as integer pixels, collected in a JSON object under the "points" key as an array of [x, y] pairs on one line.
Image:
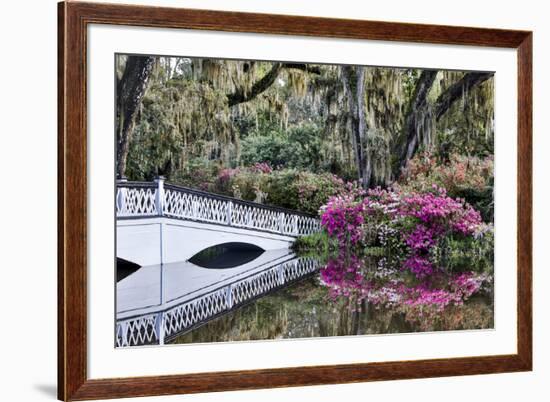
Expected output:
{"points": [[73, 381]]}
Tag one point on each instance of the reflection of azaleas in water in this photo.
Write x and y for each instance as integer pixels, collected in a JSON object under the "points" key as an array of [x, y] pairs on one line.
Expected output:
{"points": [[350, 277]]}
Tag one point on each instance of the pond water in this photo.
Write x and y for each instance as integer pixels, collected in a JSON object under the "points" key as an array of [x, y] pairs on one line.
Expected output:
{"points": [[356, 296]]}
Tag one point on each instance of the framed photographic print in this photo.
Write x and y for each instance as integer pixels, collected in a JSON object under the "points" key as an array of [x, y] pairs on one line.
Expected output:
{"points": [[252, 201]]}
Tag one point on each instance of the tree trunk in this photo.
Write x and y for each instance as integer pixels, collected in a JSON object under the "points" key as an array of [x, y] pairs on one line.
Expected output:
{"points": [[418, 106], [347, 78], [366, 178], [419, 112], [130, 91]]}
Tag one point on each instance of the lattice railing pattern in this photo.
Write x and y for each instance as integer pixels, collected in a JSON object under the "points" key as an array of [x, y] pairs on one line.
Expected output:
{"points": [[256, 285], [296, 269], [136, 201], [187, 315], [141, 330], [144, 330], [177, 202], [307, 225]]}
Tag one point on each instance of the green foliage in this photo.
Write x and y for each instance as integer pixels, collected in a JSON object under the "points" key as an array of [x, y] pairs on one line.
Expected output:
{"points": [[269, 148], [248, 184], [316, 243], [154, 144], [198, 173], [459, 253], [298, 148], [314, 190], [288, 188], [467, 127]]}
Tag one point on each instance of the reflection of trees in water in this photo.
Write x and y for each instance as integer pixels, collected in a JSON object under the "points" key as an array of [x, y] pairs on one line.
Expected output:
{"points": [[306, 310]]}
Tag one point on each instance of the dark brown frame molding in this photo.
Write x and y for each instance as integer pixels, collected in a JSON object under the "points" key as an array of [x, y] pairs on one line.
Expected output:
{"points": [[73, 19]]}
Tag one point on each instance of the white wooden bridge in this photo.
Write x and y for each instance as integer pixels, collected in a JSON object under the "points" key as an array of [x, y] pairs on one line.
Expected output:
{"points": [[161, 226], [162, 223]]}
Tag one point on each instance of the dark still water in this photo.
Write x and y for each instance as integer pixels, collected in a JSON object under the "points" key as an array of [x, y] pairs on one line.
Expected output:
{"points": [[357, 297]]}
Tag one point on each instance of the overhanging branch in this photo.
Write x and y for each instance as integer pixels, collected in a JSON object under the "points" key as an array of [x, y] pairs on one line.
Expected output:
{"points": [[457, 90], [240, 96]]}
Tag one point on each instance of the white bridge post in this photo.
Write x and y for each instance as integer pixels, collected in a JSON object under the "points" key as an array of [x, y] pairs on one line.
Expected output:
{"points": [[125, 338], [159, 205], [194, 207], [229, 297], [229, 211], [121, 194], [159, 198], [281, 222], [159, 324], [281, 274]]}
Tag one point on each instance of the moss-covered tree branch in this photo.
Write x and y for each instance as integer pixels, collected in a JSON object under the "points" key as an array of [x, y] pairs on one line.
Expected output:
{"points": [[262, 85]]}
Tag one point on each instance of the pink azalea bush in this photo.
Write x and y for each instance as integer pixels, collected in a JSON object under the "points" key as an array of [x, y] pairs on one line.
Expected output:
{"points": [[419, 220], [343, 216], [438, 212], [459, 172], [412, 225], [463, 176]]}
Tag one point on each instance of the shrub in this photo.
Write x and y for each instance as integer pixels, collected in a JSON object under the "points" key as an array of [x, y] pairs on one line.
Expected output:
{"points": [[299, 148], [270, 148], [199, 173], [413, 224], [287, 188], [462, 176], [314, 190]]}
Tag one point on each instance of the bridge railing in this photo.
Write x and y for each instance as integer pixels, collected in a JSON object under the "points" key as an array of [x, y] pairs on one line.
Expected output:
{"points": [[163, 199], [155, 328]]}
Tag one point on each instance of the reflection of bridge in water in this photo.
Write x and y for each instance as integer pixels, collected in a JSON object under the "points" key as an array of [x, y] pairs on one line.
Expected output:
{"points": [[159, 302], [160, 227]]}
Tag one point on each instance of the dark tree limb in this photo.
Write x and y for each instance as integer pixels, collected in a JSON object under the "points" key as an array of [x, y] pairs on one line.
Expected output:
{"points": [[408, 145], [457, 90], [304, 67], [240, 96], [130, 91]]}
